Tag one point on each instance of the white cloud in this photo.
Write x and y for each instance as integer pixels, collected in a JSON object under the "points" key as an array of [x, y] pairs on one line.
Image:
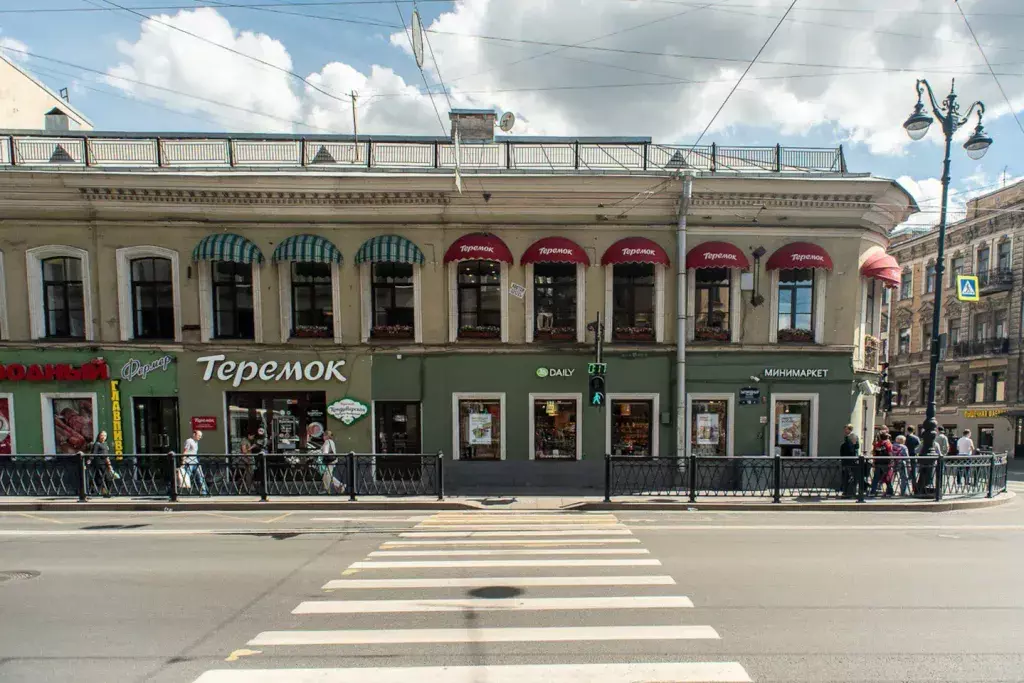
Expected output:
{"points": [[14, 44]]}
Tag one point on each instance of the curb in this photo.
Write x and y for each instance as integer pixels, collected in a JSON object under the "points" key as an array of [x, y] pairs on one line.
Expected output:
{"points": [[211, 506], [922, 506]]}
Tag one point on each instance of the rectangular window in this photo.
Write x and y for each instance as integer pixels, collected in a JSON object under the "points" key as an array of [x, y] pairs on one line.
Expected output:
{"points": [[900, 397], [954, 330], [633, 302], [978, 388], [999, 327], [869, 309], [922, 392], [949, 393], [883, 327], [152, 291], [7, 436], [73, 426], [998, 387], [479, 429], [980, 326], [711, 304], [555, 433], [984, 263], [291, 422], [793, 428], [632, 425], [1003, 256], [886, 296], [709, 427], [956, 267], [796, 305], [554, 301], [312, 307], [233, 316], [986, 437], [907, 284], [926, 337], [393, 299], [479, 299], [63, 298], [904, 341], [929, 278]]}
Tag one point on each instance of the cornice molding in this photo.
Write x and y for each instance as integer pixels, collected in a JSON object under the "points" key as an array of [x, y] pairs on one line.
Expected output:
{"points": [[784, 200], [263, 197]]}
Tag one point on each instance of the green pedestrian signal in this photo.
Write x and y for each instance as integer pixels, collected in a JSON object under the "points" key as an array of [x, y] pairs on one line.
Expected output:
{"points": [[597, 393]]}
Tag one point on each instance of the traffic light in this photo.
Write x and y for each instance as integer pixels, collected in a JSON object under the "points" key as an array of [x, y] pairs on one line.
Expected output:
{"points": [[885, 389], [597, 394]]}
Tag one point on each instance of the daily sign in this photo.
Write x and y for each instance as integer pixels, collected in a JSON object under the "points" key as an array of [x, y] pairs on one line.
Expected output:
{"points": [[270, 371], [555, 372]]}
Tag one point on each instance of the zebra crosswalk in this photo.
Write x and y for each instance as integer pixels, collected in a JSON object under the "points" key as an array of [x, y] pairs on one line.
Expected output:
{"points": [[472, 579]]}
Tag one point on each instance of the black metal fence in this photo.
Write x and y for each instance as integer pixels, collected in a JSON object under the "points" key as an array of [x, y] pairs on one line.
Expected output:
{"points": [[176, 476], [825, 478]]}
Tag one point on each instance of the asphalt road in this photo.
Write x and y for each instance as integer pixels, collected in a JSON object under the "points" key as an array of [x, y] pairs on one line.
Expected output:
{"points": [[169, 597]]}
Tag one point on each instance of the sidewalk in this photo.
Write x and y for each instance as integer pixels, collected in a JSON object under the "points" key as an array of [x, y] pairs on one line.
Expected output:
{"points": [[571, 503]]}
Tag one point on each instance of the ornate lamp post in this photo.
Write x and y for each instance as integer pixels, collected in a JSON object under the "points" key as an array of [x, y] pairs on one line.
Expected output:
{"points": [[948, 114]]}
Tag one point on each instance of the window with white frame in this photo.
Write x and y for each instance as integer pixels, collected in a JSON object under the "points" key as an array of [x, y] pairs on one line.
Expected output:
{"points": [[479, 305], [233, 301], [393, 301], [907, 284], [956, 267], [555, 426], [983, 260], [631, 426], [712, 295], [148, 297], [634, 312], [555, 301], [1003, 256], [903, 341], [710, 417], [796, 305], [479, 426], [59, 293], [794, 425], [929, 278]]}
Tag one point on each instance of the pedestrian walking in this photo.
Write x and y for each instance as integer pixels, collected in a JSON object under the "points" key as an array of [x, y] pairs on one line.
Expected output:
{"points": [[913, 450], [900, 456], [329, 460], [849, 452], [190, 462], [881, 455], [247, 462], [965, 449], [101, 455]]}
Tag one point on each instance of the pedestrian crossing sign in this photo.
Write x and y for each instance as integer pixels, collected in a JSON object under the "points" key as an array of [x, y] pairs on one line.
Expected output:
{"points": [[967, 287]]}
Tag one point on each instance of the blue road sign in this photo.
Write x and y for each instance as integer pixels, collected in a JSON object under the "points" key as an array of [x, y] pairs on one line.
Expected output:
{"points": [[967, 287]]}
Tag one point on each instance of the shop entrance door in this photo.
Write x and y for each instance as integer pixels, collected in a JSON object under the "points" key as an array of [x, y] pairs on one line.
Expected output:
{"points": [[397, 428], [156, 424]]}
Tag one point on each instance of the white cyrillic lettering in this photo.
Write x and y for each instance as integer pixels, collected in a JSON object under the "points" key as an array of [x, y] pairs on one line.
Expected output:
{"points": [[247, 370], [314, 370], [210, 362], [334, 370], [267, 370], [291, 371], [225, 370]]}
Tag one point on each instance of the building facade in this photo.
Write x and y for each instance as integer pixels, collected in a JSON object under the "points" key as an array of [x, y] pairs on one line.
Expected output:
{"points": [[27, 104], [301, 286], [978, 384]]}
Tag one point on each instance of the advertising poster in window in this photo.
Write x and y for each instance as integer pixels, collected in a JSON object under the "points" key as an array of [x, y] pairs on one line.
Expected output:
{"points": [[708, 429], [5, 427], [72, 424], [480, 429], [789, 429]]}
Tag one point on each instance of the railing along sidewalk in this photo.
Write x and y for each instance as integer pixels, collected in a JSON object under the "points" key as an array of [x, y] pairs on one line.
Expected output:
{"points": [[816, 478], [177, 476]]}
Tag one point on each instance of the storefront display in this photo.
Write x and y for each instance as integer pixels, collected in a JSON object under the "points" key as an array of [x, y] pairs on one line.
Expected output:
{"points": [[6, 428], [632, 427], [792, 427], [554, 428], [291, 422], [479, 429], [73, 424]]}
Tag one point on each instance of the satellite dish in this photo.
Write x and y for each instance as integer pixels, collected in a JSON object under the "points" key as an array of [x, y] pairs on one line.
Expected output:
{"points": [[508, 119], [417, 38]]}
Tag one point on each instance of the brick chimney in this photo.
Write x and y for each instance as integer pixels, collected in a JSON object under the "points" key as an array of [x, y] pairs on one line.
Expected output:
{"points": [[474, 125]]}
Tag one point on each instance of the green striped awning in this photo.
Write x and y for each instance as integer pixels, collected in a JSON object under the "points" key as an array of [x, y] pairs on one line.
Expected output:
{"points": [[307, 249], [227, 247], [389, 249]]}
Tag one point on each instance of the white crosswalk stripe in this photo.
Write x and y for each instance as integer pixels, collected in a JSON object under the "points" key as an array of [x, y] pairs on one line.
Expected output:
{"points": [[463, 542]]}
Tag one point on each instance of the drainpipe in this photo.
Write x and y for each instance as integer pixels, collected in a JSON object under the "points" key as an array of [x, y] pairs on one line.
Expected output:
{"points": [[684, 208]]}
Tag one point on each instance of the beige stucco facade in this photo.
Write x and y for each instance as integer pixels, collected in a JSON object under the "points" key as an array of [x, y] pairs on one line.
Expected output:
{"points": [[25, 101]]}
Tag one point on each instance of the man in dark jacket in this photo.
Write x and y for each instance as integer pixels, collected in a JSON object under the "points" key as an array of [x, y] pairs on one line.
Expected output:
{"points": [[913, 446], [849, 452]]}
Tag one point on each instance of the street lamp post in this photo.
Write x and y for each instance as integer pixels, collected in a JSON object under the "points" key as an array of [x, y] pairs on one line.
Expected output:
{"points": [[948, 114]]}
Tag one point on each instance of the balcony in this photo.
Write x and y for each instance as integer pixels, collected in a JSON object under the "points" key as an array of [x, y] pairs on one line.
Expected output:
{"points": [[991, 346], [995, 280]]}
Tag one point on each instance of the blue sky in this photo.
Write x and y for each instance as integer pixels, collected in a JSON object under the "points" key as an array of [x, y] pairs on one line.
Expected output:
{"points": [[833, 73]]}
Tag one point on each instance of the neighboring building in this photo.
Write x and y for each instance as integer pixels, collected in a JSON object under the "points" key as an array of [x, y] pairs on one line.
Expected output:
{"points": [[978, 384], [221, 262], [27, 104]]}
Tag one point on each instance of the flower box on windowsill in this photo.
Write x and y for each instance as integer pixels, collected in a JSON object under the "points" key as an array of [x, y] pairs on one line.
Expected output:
{"points": [[558, 334], [392, 332], [641, 334], [311, 332], [711, 334], [485, 332], [796, 336]]}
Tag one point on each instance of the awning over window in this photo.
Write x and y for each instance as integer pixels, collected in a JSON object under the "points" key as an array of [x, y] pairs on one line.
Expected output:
{"points": [[389, 249], [307, 249], [634, 250], [799, 255], [716, 255], [555, 250], [882, 267], [481, 246], [227, 247]]}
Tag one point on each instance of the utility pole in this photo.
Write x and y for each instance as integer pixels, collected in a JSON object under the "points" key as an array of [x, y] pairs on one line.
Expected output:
{"points": [[681, 327], [355, 122]]}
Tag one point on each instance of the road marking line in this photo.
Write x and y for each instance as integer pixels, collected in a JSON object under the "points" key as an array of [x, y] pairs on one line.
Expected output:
{"points": [[682, 672], [489, 605], [519, 527], [507, 551], [483, 582], [828, 527], [237, 654], [479, 564], [497, 534], [278, 518], [366, 519], [525, 541], [544, 634], [29, 515]]}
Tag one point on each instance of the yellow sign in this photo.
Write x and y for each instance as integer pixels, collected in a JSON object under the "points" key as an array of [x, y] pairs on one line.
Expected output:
{"points": [[967, 287], [115, 418], [992, 412]]}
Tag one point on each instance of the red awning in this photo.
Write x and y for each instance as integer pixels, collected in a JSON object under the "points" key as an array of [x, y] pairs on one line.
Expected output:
{"points": [[716, 255], [481, 246], [555, 250], [634, 250], [882, 267], [799, 255]]}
